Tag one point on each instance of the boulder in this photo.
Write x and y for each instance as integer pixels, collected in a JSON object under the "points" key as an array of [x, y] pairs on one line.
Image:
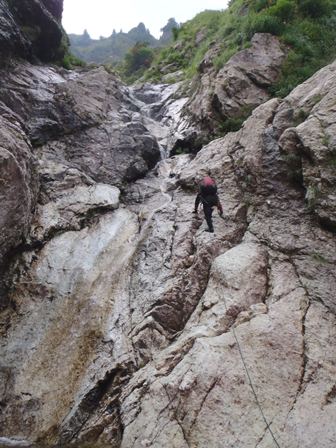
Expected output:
{"points": [[32, 29], [238, 87]]}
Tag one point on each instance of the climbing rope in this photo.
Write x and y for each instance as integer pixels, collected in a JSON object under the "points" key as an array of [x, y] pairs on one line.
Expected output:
{"points": [[250, 381]]}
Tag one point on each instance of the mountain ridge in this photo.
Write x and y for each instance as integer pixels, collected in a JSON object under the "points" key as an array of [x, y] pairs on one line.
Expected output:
{"points": [[113, 49]]}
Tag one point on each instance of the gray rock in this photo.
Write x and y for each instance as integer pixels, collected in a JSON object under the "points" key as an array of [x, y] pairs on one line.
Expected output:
{"points": [[72, 208], [129, 325], [239, 86], [32, 29], [84, 119], [18, 183], [310, 146]]}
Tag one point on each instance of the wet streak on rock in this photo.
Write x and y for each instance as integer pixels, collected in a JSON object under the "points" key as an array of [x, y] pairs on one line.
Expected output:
{"points": [[107, 390]]}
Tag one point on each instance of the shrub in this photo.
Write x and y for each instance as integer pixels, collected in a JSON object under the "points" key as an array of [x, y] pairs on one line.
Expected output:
{"points": [[175, 32], [70, 61], [231, 125], [259, 5], [305, 26], [314, 8], [138, 58], [283, 9], [263, 23]]}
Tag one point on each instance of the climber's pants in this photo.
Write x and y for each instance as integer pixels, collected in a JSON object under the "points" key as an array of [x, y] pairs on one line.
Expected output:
{"points": [[208, 215]]}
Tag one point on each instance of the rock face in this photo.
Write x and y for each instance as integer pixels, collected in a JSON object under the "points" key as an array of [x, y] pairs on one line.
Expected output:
{"points": [[238, 87], [18, 183], [85, 119], [32, 29], [311, 145], [81, 132], [123, 323]]}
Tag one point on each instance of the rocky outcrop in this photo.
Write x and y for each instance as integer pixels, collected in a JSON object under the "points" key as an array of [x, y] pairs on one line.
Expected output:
{"points": [[124, 323], [32, 29], [237, 88], [66, 138], [55, 7], [86, 120], [309, 141], [18, 183], [248, 356]]}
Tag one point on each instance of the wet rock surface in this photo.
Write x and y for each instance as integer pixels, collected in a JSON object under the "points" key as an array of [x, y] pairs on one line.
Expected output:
{"points": [[32, 29], [85, 120], [18, 183], [125, 324]]}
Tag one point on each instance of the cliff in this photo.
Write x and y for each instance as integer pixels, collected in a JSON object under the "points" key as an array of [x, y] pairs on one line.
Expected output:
{"points": [[124, 323], [32, 29]]}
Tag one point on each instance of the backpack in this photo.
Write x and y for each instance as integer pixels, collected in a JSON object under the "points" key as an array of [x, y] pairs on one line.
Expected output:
{"points": [[208, 191], [208, 187]]}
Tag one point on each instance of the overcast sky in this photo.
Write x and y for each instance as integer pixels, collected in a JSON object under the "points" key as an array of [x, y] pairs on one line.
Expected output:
{"points": [[100, 17]]}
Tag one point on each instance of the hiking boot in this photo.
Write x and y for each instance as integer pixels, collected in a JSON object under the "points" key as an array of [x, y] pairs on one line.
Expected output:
{"points": [[209, 230]]}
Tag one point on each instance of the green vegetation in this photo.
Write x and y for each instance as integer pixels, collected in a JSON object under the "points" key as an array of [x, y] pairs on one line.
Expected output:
{"points": [[137, 60], [294, 168], [65, 58], [306, 28], [233, 124], [70, 61], [331, 160], [312, 195], [319, 258]]}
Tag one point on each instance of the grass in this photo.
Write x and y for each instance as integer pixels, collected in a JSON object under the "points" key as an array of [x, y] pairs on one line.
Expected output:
{"points": [[70, 61], [306, 28]]}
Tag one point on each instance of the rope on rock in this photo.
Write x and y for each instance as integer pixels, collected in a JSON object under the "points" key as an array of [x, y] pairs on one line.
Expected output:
{"points": [[250, 381]]}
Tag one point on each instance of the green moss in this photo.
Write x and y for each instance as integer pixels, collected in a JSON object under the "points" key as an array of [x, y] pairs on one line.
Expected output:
{"points": [[312, 195], [325, 142], [319, 258], [331, 160], [179, 151]]}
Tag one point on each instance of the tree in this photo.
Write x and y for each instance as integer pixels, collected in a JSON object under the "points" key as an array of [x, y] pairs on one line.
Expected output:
{"points": [[138, 58]]}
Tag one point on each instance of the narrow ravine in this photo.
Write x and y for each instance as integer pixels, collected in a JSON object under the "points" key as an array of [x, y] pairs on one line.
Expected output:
{"points": [[117, 329]]}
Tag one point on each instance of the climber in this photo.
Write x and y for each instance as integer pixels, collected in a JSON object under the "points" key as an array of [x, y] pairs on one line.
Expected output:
{"points": [[208, 196]]}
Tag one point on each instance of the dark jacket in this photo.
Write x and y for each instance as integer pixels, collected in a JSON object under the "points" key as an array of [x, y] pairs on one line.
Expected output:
{"points": [[208, 195]]}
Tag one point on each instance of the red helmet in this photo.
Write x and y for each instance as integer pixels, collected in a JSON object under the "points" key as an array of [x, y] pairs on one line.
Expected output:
{"points": [[207, 181]]}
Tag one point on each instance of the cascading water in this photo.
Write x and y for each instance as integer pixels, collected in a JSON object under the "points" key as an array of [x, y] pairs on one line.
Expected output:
{"points": [[161, 112]]}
